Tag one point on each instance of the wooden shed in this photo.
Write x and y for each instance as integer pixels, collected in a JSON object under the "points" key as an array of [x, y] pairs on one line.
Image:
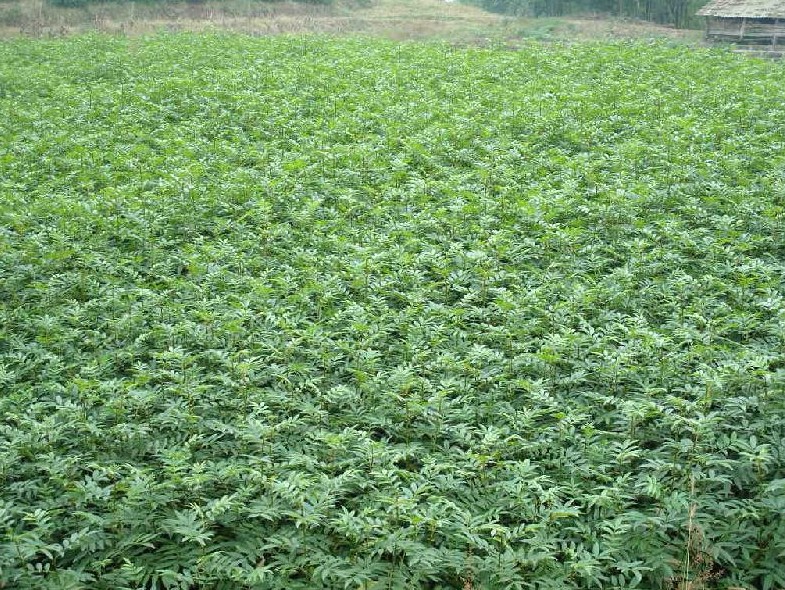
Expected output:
{"points": [[745, 21]]}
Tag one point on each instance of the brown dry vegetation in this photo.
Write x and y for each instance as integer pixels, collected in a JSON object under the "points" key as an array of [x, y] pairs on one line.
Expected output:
{"points": [[396, 19]]}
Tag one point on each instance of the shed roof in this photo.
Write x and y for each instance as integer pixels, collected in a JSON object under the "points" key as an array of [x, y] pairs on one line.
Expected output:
{"points": [[744, 8]]}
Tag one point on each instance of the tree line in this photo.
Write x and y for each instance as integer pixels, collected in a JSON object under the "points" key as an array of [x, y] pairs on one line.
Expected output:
{"points": [[680, 13]]}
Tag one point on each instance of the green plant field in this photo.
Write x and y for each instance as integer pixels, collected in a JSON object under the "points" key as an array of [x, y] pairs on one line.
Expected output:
{"points": [[316, 313]]}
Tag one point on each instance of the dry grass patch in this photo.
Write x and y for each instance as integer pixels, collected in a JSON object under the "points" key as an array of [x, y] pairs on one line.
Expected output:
{"points": [[399, 20]]}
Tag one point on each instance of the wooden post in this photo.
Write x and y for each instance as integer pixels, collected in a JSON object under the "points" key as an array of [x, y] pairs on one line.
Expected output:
{"points": [[741, 30]]}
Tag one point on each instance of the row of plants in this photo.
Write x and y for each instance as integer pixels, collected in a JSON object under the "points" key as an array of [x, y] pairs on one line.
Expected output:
{"points": [[317, 313]]}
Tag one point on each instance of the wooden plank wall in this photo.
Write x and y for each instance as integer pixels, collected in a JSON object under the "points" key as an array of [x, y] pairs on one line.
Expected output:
{"points": [[747, 30]]}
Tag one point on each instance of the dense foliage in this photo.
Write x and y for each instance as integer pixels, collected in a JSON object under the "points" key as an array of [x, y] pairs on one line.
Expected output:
{"points": [[306, 313], [674, 12]]}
